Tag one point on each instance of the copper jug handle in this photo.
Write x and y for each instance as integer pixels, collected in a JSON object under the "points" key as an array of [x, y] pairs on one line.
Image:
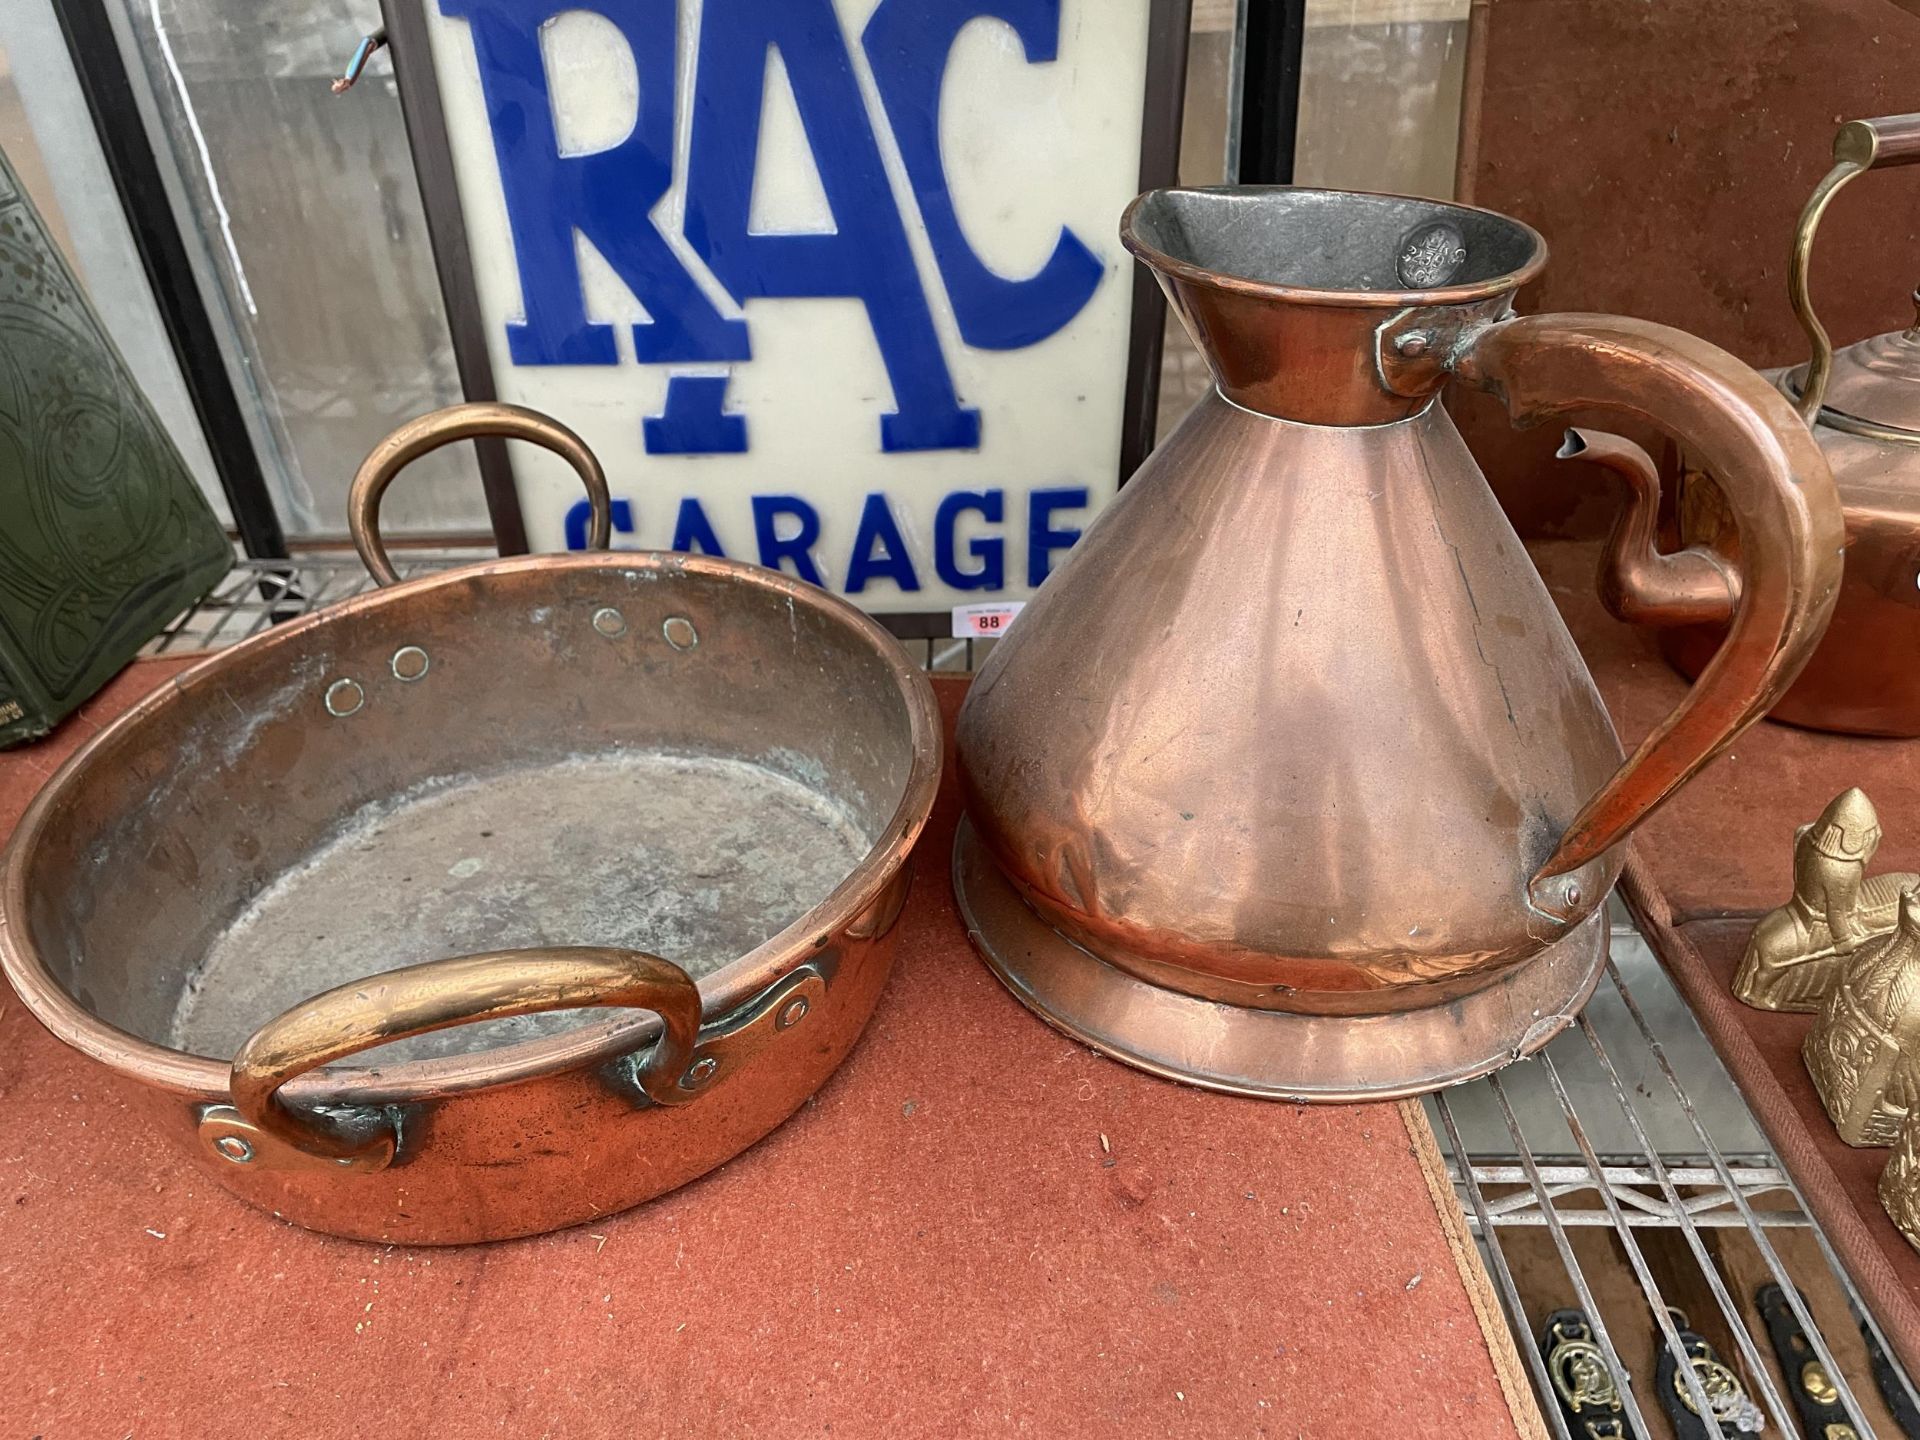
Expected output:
{"points": [[1860, 145], [438, 995], [464, 422], [1782, 496]]}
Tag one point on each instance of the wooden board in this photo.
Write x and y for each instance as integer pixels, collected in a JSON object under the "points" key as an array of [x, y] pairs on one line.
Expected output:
{"points": [[1665, 152]]}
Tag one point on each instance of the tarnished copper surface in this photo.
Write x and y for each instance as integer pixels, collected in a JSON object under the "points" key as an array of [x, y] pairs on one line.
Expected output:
{"points": [[157, 836], [1296, 728], [461, 990], [1312, 360], [1156, 1024], [1798, 951]]}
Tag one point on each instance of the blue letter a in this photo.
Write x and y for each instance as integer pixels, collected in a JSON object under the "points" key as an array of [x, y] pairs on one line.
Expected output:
{"points": [[866, 256]]}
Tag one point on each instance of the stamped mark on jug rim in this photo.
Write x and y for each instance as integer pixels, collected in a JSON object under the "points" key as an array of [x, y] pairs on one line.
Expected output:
{"points": [[1431, 255]]}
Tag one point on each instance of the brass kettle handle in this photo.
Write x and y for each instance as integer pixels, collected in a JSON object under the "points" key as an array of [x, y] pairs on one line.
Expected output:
{"points": [[1860, 145], [463, 422], [437, 995], [1781, 492]]}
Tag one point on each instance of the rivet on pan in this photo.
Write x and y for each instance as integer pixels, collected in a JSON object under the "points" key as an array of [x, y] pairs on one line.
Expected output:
{"points": [[610, 622], [344, 698], [234, 1148], [680, 632], [410, 662], [699, 1073], [792, 1013]]}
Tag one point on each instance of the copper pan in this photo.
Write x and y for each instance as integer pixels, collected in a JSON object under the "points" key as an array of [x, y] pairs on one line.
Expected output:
{"points": [[600, 853]]}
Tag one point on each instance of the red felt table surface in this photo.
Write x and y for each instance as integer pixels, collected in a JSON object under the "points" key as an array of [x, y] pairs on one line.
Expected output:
{"points": [[1709, 864], [977, 1227]]}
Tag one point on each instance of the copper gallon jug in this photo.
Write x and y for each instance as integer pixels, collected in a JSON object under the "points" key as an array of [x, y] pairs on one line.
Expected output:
{"points": [[1291, 781]]}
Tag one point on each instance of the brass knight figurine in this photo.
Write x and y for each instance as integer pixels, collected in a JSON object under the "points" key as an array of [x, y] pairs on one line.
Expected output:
{"points": [[1864, 1050], [1798, 951]]}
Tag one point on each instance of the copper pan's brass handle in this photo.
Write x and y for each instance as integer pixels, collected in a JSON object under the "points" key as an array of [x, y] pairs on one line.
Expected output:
{"points": [[463, 422], [439, 995], [1777, 484], [1859, 146]]}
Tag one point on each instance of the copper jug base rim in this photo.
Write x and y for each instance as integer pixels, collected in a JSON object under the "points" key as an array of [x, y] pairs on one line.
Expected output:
{"points": [[1269, 1054]]}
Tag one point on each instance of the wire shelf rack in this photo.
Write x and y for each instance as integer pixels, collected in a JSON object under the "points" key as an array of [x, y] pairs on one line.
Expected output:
{"points": [[1574, 1169], [1627, 1125], [259, 593]]}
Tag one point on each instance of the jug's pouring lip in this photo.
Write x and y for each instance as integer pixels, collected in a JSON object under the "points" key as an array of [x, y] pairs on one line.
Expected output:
{"points": [[1378, 220]]}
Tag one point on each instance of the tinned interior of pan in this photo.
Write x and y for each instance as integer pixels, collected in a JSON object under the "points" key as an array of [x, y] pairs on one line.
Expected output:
{"points": [[571, 753]]}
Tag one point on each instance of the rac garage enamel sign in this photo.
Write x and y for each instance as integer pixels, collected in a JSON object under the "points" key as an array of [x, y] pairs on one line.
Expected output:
{"points": [[830, 285]]}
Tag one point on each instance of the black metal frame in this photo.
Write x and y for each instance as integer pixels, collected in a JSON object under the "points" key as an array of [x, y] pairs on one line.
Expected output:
{"points": [[426, 123], [1162, 116], [163, 253], [1162, 102], [1270, 90]]}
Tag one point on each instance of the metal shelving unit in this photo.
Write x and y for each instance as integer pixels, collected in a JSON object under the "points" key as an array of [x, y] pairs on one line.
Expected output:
{"points": [[260, 592], [1626, 1124]]}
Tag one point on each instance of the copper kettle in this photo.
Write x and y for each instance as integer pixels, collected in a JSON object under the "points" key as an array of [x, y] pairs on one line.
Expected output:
{"points": [[1290, 781], [1864, 406]]}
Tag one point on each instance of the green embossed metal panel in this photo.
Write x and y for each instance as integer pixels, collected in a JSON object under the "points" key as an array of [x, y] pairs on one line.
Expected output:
{"points": [[104, 537]]}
